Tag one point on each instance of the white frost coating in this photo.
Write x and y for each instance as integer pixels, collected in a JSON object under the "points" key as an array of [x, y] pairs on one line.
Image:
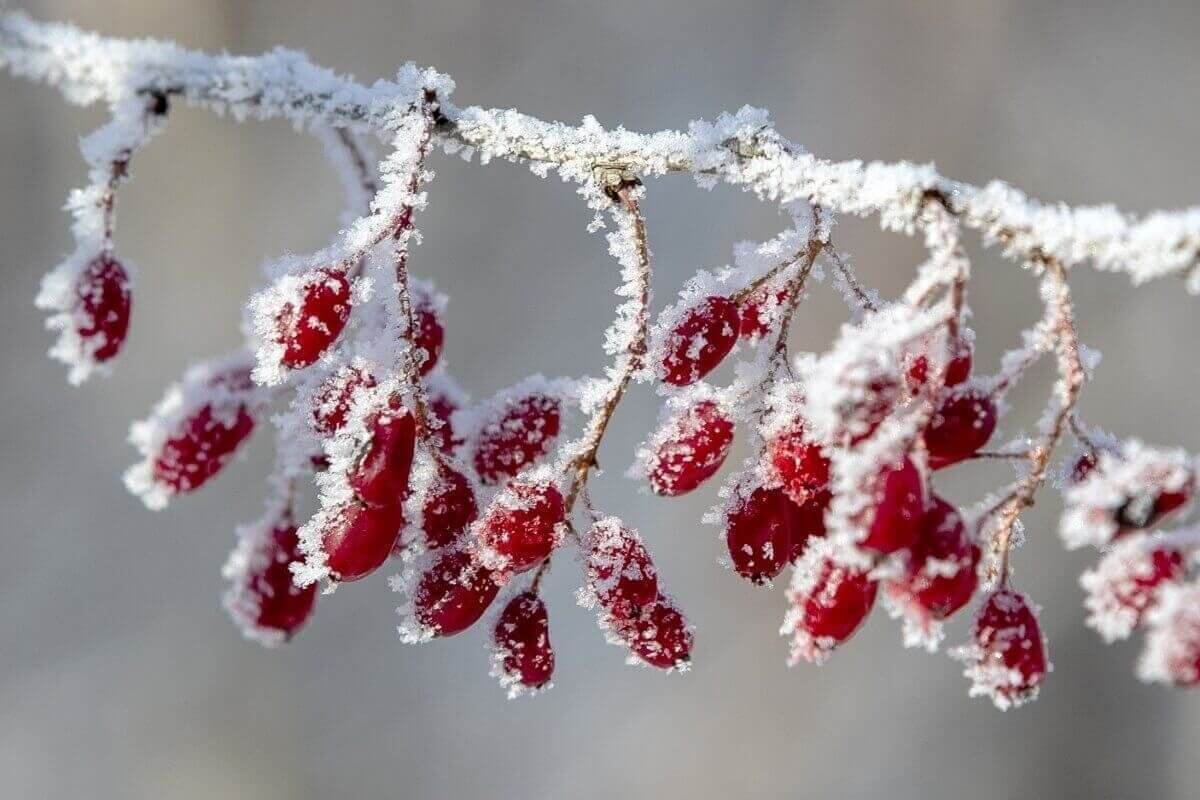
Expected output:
{"points": [[107, 152], [918, 628], [816, 577], [989, 676], [1124, 585], [250, 557], [221, 383], [1123, 488], [1172, 649]]}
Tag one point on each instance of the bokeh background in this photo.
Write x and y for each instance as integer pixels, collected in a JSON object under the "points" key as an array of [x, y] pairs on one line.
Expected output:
{"points": [[120, 676]]}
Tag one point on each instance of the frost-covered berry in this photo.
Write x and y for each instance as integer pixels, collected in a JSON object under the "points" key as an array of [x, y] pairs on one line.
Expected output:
{"points": [[443, 406], [659, 635], [620, 573], [1172, 652], [263, 600], [1083, 466], [104, 300], [380, 477], [521, 526], [810, 522], [942, 572], [895, 520], [1006, 659], [204, 444], [1149, 508], [961, 425], [1125, 585], [306, 326], [759, 529], [332, 400], [758, 309], [452, 594], [699, 341], [523, 655], [516, 435], [357, 539], [449, 507], [429, 332], [799, 463], [958, 369], [827, 604], [688, 449]]}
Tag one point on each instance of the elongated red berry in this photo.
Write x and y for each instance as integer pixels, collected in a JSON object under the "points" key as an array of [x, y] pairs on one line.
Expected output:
{"points": [[201, 446], [307, 326], [380, 478], [429, 332], [700, 341], [448, 509], [452, 594], [523, 654], [358, 539], [942, 571], [959, 427], [521, 526], [799, 463], [690, 448], [809, 522], [264, 601], [1147, 509], [1006, 660], [1125, 585], [895, 520], [758, 310], [958, 369], [827, 604], [331, 402], [620, 573], [442, 406], [659, 635], [104, 302], [758, 533], [518, 435]]}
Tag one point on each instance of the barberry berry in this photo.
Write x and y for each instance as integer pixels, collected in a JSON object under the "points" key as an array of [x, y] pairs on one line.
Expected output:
{"points": [[523, 655], [700, 341], [690, 448]]}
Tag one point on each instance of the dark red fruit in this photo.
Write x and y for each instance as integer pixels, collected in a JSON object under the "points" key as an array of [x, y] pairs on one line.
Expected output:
{"points": [[1010, 659], [1148, 509], [332, 401], [429, 333], [957, 370], [696, 444], [522, 432], [659, 635], [942, 548], [799, 463], [105, 299], [1126, 584], [521, 526], [827, 607], [280, 605], [380, 478], [358, 539], [700, 341], [759, 531], [755, 320], [810, 522], [203, 443], [442, 406], [449, 508], [453, 593], [900, 505], [307, 331], [963, 424], [522, 641], [620, 572], [1083, 467]]}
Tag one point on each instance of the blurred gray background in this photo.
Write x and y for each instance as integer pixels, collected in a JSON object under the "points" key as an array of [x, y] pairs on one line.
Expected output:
{"points": [[120, 676]]}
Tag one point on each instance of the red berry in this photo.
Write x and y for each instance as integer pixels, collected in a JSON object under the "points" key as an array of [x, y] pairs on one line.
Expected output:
{"points": [[452, 594], [305, 332], [620, 572], [203, 444], [357, 539], [757, 311], [865, 413], [1148, 509], [957, 370], [380, 478], [693, 447], [524, 654], [799, 463], [441, 405], [1083, 467], [449, 508], [942, 573], [1172, 653], [267, 602], [333, 399], [1008, 659], [1125, 585], [102, 316], [810, 522], [758, 532], [900, 504], [700, 341], [958, 428], [828, 604], [521, 526], [519, 435], [659, 635], [429, 333]]}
